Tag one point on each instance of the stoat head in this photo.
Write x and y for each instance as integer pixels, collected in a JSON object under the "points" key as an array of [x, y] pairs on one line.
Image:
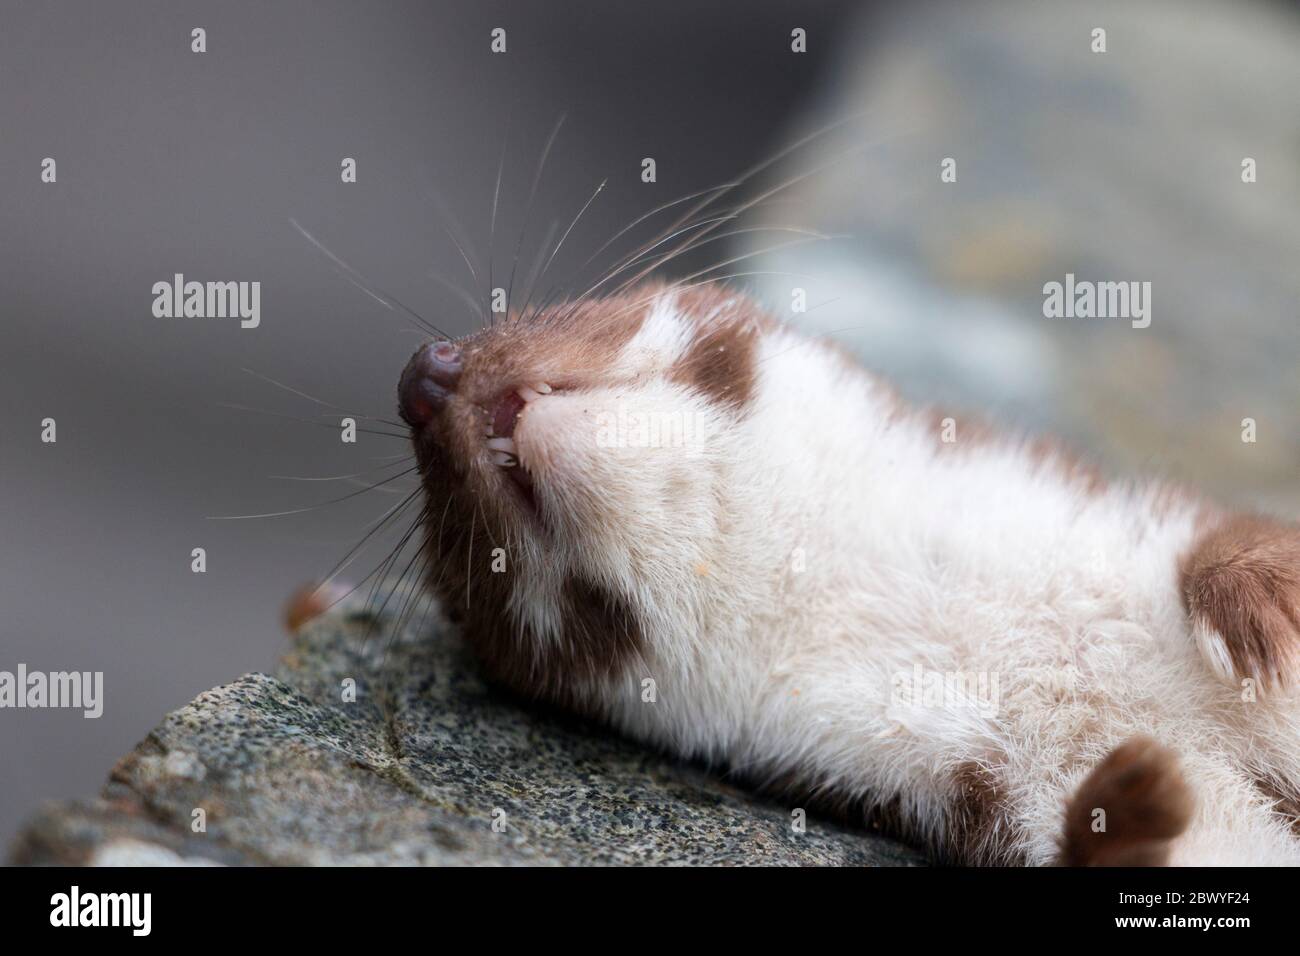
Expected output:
{"points": [[577, 466]]}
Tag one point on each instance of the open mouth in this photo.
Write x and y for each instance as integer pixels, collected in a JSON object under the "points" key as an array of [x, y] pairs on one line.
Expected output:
{"points": [[503, 416]]}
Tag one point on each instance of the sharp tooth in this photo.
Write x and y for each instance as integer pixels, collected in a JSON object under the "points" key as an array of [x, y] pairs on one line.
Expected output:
{"points": [[502, 444], [503, 459], [543, 388], [526, 393]]}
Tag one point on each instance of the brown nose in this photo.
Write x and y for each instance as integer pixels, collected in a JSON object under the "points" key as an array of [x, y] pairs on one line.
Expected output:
{"points": [[428, 379]]}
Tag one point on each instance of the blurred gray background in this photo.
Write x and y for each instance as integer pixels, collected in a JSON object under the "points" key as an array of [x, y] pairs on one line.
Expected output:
{"points": [[1117, 166], [171, 161]]}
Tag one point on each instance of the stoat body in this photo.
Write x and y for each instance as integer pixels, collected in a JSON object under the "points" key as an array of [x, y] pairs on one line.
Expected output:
{"points": [[726, 539]]}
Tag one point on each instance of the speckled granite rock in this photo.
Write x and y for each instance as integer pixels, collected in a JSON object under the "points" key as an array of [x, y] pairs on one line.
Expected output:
{"points": [[413, 772]]}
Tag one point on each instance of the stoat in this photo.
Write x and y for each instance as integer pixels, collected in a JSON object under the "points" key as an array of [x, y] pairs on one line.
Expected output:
{"points": [[668, 510]]}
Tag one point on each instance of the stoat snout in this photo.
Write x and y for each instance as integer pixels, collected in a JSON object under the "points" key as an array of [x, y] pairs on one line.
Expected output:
{"points": [[629, 386], [427, 381], [572, 463], [430, 386]]}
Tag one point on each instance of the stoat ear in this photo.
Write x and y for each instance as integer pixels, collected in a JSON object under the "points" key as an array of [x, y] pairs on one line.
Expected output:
{"points": [[721, 361], [1241, 586]]}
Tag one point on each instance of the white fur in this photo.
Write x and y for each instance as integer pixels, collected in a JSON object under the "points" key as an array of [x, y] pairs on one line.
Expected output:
{"points": [[960, 561], [662, 339]]}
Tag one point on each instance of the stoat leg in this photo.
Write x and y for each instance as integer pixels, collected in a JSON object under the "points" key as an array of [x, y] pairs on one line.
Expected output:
{"points": [[1128, 810], [1241, 586]]}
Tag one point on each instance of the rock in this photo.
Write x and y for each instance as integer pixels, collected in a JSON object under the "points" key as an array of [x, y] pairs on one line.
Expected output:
{"points": [[281, 770]]}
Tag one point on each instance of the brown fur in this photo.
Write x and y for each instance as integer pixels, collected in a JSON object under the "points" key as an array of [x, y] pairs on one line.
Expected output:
{"points": [[601, 638], [980, 822], [1283, 796], [471, 507], [1242, 578], [600, 634], [1146, 802], [722, 362], [978, 828]]}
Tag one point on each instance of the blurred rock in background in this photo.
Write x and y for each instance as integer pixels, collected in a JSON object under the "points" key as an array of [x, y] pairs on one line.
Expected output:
{"points": [[1115, 166]]}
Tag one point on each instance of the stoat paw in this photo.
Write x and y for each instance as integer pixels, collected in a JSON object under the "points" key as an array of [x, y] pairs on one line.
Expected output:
{"points": [[1128, 809], [1241, 585]]}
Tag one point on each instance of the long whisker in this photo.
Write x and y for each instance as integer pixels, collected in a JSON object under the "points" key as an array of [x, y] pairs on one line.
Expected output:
{"points": [[383, 491], [411, 583], [572, 305], [287, 388], [559, 244], [743, 207], [415, 556], [720, 193], [633, 306], [308, 421], [442, 525], [754, 171], [359, 474], [318, 401], [475, 307], [685, 283], [463, 254], [316, 507], [757, 252], [356, 587], [653, 212], [532, 194], [402, 620], [496, 195], [355, 551], [451, 226], [357, 279], [537, 262], [480, 310], [370, 418], [469, 560], [394, 555], [614, 273], [704, 240]]}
